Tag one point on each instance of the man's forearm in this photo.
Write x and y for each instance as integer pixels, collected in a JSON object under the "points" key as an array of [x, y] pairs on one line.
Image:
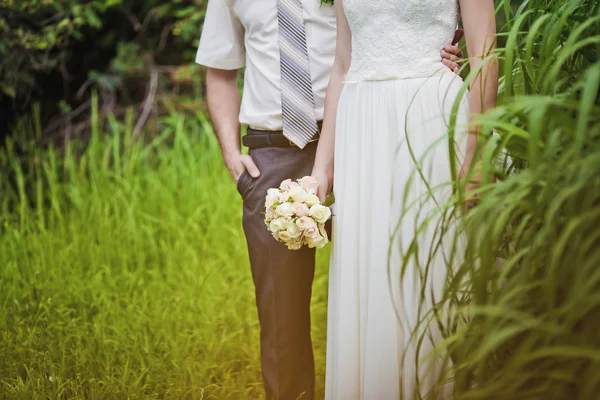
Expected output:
{"points": [[224, 107]]}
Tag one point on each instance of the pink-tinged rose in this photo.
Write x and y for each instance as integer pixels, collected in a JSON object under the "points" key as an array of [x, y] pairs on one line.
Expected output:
{"points": [[312, 200], [295, 244], [272, 197], [288, 185], [305, 223], [309, 184], [311, 232], [278, 225], [320, 213], [270, 214], [285, 210], [300, 209], [285, 185], [298, 194]]}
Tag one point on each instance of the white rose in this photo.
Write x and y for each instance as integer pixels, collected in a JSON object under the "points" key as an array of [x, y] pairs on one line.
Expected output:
{"points": [[295, 244], [284, 236], [309, 184], [275, 235], [323, 231], [278, 225], [298, 194], [272, 197], [317, 241], [320, 213], [285, 210], [284, 196], [305, 223], [293, 230], [312, 200], [300, 209]]}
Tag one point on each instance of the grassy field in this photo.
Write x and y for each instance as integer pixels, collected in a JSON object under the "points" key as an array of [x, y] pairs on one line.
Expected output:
{"points": [[125, 275]]}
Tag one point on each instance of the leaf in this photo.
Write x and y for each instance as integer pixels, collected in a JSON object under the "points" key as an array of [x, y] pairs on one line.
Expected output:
{"points": [[329, 200], [9, 91], [93, 19]]}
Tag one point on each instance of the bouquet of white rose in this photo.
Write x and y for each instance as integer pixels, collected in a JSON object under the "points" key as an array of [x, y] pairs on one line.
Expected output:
{"points": [[295, 216]]}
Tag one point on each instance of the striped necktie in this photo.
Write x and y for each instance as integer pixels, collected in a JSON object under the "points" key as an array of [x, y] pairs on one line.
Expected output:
{"points": [[297, 101]]}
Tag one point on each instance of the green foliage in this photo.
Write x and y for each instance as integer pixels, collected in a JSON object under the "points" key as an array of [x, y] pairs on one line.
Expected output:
{"points": [[521, 305], [98, 43], [35, 35]]}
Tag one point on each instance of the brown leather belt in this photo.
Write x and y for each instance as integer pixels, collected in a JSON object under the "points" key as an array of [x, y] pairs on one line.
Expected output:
{"points": [[255, 139]]}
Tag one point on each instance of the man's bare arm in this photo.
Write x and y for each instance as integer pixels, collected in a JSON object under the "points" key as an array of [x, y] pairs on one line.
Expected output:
{"points": [[224, 107]]}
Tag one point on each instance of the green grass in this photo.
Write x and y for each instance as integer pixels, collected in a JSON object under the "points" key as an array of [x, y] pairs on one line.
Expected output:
{"points": [[125, 274]]}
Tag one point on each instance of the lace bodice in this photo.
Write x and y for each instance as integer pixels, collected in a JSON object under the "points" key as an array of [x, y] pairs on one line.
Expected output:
{"points": [[395, 39]]}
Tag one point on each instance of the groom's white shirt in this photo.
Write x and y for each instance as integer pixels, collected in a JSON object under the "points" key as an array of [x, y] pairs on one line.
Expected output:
{"points": [[234, 25]]}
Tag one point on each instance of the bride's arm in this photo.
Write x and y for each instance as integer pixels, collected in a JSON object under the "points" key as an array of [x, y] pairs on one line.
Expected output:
{"points": [[323, 168], [480, 34]]}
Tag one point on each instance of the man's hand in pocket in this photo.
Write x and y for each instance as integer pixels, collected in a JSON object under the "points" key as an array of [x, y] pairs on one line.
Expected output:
{"points": [[237, 163]]}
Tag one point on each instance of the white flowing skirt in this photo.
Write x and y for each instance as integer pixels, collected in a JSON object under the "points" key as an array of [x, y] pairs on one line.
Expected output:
{"points": [[391, 150]]}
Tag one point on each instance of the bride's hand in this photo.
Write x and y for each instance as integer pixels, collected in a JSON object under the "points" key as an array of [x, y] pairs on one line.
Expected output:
{"points": [[473, 185], [471, 199], [325, 179]]}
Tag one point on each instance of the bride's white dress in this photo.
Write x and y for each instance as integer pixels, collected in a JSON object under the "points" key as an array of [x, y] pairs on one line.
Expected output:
{"points": [[393, 116]]}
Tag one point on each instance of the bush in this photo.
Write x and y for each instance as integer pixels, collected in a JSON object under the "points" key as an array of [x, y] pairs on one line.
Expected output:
{"points": [[36, 34], [55, 51]]}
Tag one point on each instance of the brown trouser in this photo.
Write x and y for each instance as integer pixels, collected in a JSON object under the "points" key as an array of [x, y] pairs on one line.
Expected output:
{"points": [[282, 278]]}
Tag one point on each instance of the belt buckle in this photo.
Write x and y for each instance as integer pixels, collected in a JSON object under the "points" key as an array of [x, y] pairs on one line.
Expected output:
{"points": [[314, 139]]}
